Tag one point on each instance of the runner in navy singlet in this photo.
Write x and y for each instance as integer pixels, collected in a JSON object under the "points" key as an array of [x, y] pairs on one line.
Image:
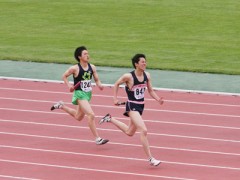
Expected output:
{"points": [[136, 83], [136, 94]]}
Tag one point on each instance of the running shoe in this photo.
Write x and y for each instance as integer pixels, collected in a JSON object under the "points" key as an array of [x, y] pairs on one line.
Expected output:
{"points": [[154, 162], [58, 105], [106, 118], [100, 141]]}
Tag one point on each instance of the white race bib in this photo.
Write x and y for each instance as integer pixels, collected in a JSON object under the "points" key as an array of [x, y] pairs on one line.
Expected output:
{"points": [[86, 85], [139, 91]]}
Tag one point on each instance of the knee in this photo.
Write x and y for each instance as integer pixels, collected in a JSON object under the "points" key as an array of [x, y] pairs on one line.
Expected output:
{"points": [[143, 132], [91, 116], [79, 117], [130, 133]]}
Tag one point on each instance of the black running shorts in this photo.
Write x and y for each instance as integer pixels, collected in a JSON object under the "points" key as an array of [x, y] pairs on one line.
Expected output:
{"points": [[130, 106]]}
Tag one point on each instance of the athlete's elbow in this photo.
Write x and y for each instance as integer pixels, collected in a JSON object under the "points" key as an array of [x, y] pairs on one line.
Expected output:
{"points": [[64, 77]]}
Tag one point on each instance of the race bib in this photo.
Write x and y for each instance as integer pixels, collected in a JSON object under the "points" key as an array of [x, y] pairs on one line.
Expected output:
{"points": [[139, 91], [86, 85]]}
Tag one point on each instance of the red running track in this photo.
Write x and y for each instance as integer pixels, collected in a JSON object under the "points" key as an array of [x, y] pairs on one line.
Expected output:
{"points": [[196, 135]]}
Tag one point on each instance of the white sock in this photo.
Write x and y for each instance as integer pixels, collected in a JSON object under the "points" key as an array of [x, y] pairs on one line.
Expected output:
{"points": [[98, 139]]}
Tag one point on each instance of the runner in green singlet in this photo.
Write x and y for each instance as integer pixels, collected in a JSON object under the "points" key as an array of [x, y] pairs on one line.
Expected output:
{"points": [[83, 73]]}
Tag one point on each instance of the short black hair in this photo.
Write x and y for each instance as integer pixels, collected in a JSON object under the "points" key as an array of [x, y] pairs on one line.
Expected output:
{"points": [[136, 59], [78, 52]]}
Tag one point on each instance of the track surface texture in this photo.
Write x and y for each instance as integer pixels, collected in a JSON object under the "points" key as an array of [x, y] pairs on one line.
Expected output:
{"points": [[195, 135]]}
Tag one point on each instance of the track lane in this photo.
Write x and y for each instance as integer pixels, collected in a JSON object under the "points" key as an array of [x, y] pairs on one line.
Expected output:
{"points": [[163, 136]]}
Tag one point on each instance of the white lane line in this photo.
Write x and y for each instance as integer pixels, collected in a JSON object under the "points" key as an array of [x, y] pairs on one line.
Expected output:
{"points": [[146, 109], [111, 85], [180, 136], [200, 103], [17, 177], [110, 96], [154, 121], [91, 169], [145, 120], [116, 143], [120, 157]]}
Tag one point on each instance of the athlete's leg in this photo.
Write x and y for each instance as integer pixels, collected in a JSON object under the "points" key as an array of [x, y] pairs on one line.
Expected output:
{"points": [[137, 120], [120, 125], [127, 129], [77, 114], [82, 109], [87, 110]]}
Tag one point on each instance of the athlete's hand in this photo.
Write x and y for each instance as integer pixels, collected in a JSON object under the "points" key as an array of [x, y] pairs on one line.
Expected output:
{"points": [[161, 101], [101, 87], [71, 89]]}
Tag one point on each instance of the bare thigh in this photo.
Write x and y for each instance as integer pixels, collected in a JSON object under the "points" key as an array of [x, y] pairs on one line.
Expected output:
{"points": [[131, 128], [79, 113], [84, 107], [137, 121]]}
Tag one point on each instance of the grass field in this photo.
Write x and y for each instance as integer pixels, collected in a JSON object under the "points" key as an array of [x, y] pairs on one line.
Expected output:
{"points": [[184, 35]]}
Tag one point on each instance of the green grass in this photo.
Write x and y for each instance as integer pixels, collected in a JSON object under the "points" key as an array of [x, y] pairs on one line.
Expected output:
{"points": [[183, 35]]}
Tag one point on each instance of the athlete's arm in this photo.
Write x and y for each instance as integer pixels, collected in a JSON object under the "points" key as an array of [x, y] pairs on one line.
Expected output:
{"points": [[96, 78], [125, 78], [151, 91], [66, 74]]}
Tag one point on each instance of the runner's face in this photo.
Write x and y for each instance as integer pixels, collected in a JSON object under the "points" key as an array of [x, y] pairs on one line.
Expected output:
{"points": [[85, 56], [142, 64]]}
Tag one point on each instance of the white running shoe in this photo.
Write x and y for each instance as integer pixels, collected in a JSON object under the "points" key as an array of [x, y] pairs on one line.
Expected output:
{"points": [[106, 118], [100, 141], [58, 105], [154, 162]]}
